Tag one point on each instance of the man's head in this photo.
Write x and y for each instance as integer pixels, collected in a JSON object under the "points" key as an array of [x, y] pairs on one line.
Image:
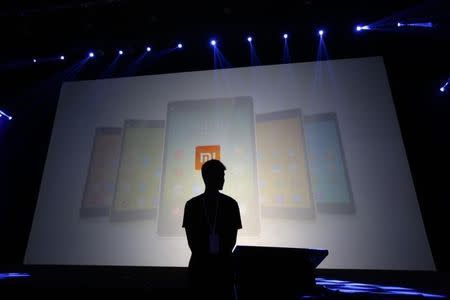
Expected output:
{"points": [[213, 173]]}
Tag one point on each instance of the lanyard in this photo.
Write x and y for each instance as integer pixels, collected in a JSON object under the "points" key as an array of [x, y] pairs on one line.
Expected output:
{"points": [[212, 227]]}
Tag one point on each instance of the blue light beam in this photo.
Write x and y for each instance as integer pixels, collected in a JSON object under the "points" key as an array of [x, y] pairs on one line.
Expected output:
{"points": [[444, 87], [2, 114], [419, 24]]}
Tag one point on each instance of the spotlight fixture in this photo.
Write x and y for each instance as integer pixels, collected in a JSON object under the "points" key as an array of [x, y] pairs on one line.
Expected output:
{"points": [[362, 27]]}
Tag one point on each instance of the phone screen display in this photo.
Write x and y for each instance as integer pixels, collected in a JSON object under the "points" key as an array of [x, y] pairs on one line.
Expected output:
{"points": [[139, 176], [329, 178], [101, 179], [199, 130], [283, 176]]}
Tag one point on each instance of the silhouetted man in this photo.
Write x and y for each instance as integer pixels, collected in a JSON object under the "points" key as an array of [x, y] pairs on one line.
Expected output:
{"points": [[212, 220]]}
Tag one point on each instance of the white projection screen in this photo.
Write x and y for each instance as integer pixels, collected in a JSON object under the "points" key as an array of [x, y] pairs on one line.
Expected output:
{"points": [[313, 151]]}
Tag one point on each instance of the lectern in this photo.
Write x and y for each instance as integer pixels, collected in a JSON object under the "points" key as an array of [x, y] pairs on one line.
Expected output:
{"points": [[264, 271]]}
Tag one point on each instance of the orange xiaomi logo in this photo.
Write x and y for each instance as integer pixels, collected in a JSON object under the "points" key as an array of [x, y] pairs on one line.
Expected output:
{"points": [[205, 153]]}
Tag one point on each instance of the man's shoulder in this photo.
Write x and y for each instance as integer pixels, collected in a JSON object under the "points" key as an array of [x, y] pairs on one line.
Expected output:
{"points": [[195, 200], [228, 199]]}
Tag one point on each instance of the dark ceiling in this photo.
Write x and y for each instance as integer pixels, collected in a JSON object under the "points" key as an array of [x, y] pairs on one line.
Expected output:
{"points": [[46, 26]]}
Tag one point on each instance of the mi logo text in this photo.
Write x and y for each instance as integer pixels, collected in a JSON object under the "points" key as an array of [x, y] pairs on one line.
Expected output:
{"points": [[205, 153]]}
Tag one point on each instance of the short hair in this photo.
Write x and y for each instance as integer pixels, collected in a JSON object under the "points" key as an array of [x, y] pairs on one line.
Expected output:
{"points": [[212, 167]]}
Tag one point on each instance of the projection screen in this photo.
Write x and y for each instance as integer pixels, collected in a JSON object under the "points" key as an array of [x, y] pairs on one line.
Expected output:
{"points": [[313, 152]]}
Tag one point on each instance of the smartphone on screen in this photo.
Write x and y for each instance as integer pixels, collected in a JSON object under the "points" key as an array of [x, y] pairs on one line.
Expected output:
{"points": [[326, 159], [199, 130], [101, 179], [283, 175], [139, 174]]}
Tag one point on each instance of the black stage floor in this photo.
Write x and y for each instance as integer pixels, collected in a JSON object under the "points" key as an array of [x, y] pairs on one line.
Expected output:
{"points": [[172, 281]]}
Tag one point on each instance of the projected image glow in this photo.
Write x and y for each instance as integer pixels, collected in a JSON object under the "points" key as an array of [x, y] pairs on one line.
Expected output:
{"points": [[312, 162]]}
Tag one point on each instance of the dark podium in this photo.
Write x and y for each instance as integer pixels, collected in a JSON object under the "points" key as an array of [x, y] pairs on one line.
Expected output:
{"points": [[268, 271]]}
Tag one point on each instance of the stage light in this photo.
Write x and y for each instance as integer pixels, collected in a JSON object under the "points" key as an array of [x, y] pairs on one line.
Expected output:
{"points": [[179, 46], [285, 36], [61, 57], [120, 52], [2, 114], [34, 60], [321, 32], [91, 54], [399, 24], [364, 27], [442, 89], [213, 42], [249, 39], [148, 49]]}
